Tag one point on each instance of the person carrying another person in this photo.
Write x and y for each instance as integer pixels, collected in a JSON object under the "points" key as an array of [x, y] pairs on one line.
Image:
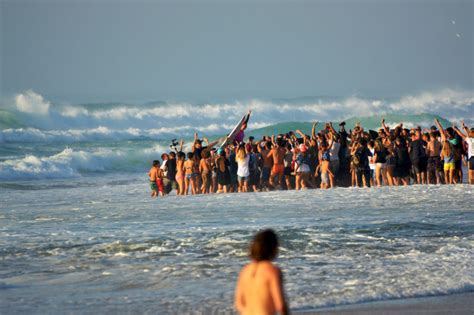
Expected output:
{"points": [[156, 179]]}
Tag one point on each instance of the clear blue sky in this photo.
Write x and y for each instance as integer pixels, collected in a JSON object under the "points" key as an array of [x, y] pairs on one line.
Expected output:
{"points": [[97, 51]]}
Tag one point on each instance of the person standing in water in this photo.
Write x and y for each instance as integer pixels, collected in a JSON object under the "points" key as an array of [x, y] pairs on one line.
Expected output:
{"points": [[278, 154], [153, 175], [259, 288]]}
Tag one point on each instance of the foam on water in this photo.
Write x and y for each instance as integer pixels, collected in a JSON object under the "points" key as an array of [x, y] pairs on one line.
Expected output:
{"points": [[123, 252], [70, 163], [31, 110]]}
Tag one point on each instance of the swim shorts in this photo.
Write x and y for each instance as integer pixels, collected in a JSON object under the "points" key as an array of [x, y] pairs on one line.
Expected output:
{"points": [[324, 178], [449, 166], [153, 186], [278, 169], [420, 165], [434, 164], [159, 184], [265, 174]]}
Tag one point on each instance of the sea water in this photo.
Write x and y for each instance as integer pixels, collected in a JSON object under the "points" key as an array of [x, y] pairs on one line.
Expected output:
{"points": [[79, 232], [100, 244]]}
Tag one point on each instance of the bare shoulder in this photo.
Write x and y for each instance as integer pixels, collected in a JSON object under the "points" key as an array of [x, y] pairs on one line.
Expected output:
{"points": [[270, 268]]}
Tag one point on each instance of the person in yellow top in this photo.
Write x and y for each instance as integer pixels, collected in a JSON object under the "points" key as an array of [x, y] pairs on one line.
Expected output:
{"points": [[259, 288]]}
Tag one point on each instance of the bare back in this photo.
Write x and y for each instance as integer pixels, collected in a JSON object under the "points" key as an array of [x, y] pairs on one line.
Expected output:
{"points": [[259, 290], [278, 155], [433, 148], [267, 161]]}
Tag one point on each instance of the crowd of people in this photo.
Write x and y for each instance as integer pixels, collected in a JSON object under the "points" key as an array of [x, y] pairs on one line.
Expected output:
{"points": [[324, 159]]}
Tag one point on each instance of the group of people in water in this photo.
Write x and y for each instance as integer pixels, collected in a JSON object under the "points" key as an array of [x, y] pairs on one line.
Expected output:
{"points": [[324, 159]]}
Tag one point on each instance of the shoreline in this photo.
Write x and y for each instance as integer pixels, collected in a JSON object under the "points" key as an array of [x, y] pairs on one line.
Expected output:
{"points": [[458, 304]]}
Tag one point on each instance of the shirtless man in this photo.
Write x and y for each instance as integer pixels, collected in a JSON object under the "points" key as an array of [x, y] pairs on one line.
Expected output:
{"points": [[153, 175], [205, 171], [260, 287], [278, 154], [267, 162], [433, 152]]}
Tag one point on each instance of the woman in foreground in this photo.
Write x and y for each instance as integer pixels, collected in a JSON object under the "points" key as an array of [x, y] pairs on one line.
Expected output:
{"points": [[260, 285]]}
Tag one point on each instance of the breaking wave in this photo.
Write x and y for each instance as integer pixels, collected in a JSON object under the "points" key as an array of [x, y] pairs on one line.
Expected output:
{"points": [[30, 109], [71, 163]]}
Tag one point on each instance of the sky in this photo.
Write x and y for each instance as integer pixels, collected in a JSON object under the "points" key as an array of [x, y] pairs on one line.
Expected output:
{"points": [[101, 51]]}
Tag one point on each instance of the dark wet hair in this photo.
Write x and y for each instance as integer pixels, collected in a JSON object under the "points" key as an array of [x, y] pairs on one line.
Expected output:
{"points": [[264, 245], [181, 155], [172, 154], [205, 154], [156, 162], [190, 155]]}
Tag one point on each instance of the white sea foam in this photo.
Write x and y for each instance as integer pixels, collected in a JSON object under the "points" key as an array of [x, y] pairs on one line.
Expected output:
{"points": [[455, 104], [72, 163], [103, 133], [365, 251]]}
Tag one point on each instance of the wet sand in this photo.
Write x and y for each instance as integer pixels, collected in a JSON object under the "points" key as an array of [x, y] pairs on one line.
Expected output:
{"points": [[458, 304]]}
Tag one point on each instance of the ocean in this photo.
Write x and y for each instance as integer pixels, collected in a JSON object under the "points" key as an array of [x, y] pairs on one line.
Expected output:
{"points": [[100, 244], [79, 232]]}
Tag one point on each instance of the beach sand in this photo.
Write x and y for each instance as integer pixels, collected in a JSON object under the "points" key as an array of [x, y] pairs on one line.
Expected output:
{"points": [[458, 304]]}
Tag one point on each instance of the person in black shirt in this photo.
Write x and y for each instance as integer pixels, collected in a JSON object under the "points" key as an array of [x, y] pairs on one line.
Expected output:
{"points": [[402, 168], [363, 169], [171, 172]]}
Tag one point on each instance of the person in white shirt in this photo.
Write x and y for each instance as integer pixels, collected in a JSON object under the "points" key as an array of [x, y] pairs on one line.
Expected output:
{"points": [[469, 139]]}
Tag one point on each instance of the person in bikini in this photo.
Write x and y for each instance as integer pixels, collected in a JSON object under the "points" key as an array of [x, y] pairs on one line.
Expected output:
{"points": [[180, 172], [189, 173], [278, 154], [259, 287]]}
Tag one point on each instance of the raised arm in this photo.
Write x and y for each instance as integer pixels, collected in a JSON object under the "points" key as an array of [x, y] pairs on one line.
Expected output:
{"points": [[385, 127], [463, 136], [305, 138], [248, 117], [464, 127], [332, 128], [441, 130], [313, 130]]}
